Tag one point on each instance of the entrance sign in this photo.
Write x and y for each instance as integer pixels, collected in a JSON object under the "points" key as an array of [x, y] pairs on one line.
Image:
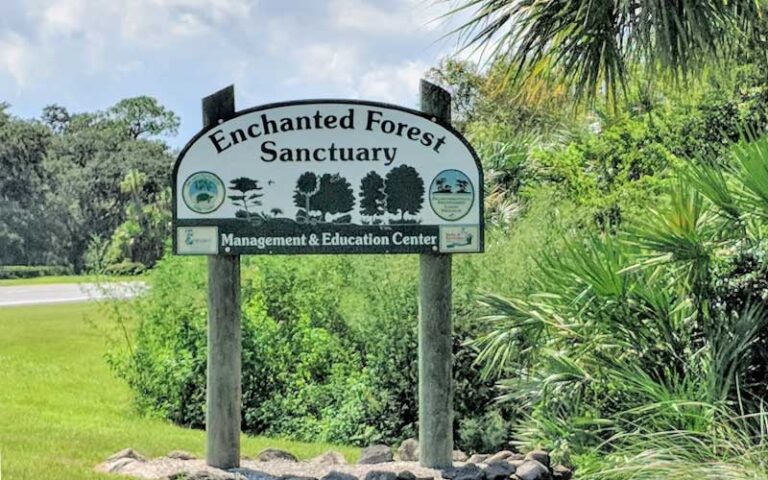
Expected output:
{"points": [[328, 176]]}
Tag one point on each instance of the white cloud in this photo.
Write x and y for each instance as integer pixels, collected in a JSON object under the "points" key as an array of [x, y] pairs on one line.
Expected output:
{"points": [[15, 58], [397, 83]]}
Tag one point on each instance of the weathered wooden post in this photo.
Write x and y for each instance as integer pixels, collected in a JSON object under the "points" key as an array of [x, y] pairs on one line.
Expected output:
{"points": [[222, 420], [435, 330]]}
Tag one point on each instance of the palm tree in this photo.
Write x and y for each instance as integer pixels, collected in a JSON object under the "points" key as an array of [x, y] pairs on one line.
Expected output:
{"points": [[591, 44]]}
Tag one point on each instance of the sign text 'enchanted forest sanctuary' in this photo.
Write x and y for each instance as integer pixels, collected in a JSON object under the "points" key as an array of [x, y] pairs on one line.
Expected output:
{"points": [[328, 177]]}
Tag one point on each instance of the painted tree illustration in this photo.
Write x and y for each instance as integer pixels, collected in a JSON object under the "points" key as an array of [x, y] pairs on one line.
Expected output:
{"points": [[372, 195], [334, 195], [306, 188], [442, 186], [404, 189], [249, 193], [462, 185]]}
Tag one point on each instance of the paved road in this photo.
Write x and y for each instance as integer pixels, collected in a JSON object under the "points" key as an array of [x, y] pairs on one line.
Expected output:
{"points": [[67, 293]]}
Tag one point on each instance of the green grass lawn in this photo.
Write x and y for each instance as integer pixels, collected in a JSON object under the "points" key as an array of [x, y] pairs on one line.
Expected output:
{"points": [[68, 279], [62, 411]]}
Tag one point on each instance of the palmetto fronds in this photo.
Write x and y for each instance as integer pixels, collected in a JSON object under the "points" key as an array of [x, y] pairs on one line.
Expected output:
{"points": [[592, 43]]}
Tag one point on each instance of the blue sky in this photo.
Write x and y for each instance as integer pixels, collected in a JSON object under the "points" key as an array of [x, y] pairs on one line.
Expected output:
{"points": [[88, 54]]}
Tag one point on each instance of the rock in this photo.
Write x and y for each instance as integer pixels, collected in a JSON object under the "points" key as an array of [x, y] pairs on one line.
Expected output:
{"points": [[497, 457], [336, 475], [270, 454], [375, 454], [330, 458], [296, 477], [469, 471], [127, 453], [116, 466], [533, 470], [181, 455], [406, 475], [203, 475], [478, 458], [459, 456], [540, 456], [516, 456], [561, 472], [409, 450], [500, 470], [516, 463], [380, 475], [249, 474]]}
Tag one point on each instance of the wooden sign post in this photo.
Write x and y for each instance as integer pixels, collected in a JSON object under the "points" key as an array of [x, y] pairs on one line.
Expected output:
{"points": [[435, 331], [328, 177], [224, 390]]}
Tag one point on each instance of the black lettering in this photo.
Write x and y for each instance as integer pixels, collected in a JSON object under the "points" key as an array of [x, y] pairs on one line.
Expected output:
{"points": [[217, 137], [237, 136], [347, 122], [269, 126], [253, 130], [427, 139], [390, 153], [372, 120], [303, 123], [440, 142], [265, 149], [414, 133]]}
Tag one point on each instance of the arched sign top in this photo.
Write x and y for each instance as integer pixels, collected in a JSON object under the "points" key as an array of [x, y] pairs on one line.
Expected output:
{"points": [[328, 176]]}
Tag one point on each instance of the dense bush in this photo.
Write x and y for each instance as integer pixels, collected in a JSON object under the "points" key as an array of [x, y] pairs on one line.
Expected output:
{"points": [[26, 271], [329, 342], [659, 328]]}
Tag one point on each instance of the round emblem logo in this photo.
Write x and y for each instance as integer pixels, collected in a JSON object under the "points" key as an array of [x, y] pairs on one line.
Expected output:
{"points": [[451, 195], [203, 192]]}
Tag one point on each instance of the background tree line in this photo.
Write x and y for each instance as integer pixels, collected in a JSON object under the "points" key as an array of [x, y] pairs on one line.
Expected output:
{"points": [[86, 190]]}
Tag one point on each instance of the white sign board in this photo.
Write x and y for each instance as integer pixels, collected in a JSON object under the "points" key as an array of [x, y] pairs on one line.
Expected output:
{"points": [[328, 176]]}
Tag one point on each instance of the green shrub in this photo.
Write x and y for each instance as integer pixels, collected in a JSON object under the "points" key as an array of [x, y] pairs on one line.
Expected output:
{"points": [[32, 271], [125, 268]]}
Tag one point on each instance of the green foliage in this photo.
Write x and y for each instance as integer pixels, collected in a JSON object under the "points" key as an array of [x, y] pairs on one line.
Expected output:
{"points": [[656, 330], [70, 178], [24, 271], [594, 46], [330, 356]]}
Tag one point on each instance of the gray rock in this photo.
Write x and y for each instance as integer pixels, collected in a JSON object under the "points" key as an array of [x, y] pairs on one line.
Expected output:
{"points": [[270, 454], [459, 456], [127, 453], [516, 463], [478, 458], [375, 454], [250, 474], [500, 470], [533, 470], [203, 475], [181, 455], [116, 466], [336, 475], [499, 456], [409, 450], [540, 456], [469, 471], [330, 458], [406, 475], [516, 456], [296, 477], [561, 472], [380, 475]]}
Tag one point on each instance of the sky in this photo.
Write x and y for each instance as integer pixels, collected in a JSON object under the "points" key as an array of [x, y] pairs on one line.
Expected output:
{"points": [[86, 55]]}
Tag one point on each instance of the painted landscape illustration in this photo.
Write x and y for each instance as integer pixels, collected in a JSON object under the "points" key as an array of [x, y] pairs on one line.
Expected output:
{"points": [[397, 198]]}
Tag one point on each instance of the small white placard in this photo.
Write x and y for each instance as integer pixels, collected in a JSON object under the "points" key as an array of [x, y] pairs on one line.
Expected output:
{"points": [[197, 240], [459, 238]]}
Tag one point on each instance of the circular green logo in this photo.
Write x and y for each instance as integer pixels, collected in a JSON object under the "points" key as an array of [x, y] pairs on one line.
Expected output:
{"points": [[451, 195], [203, 192]]}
